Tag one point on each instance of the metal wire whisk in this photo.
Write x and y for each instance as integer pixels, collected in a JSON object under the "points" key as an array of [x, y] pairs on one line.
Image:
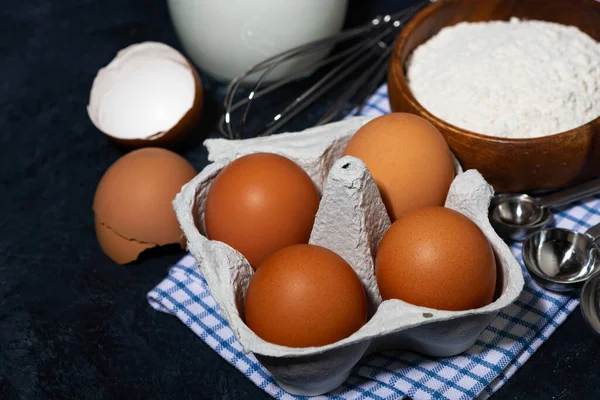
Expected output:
{"points": [[371, 51]]}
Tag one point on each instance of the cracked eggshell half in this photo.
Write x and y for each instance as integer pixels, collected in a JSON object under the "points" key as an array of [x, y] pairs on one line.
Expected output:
{"points": [[148, 95], [132, 204]]}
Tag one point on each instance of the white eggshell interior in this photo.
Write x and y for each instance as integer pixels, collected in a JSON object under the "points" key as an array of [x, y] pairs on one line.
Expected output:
{"points": [[143, 92]]}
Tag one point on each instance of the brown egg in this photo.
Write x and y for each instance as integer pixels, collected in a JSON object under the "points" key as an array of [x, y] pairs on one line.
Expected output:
{"points": [[438, 258], [261, 203], [132, 204], [408, 158], [305, 295]]}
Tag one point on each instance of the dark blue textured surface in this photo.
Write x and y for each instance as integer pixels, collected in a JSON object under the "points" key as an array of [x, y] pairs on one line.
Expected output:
{"points": [[72, 323]]}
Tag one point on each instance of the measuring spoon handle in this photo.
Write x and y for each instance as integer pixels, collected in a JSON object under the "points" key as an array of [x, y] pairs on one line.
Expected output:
{"points": [[571, 194], [594, 232]]}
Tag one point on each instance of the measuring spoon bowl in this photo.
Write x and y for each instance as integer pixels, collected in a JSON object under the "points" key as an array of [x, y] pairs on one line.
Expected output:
{"points": [[559, 259], [515, 216]]}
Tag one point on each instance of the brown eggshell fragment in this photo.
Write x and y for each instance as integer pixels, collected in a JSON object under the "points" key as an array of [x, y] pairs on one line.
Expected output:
{"points": [[260, 203], [438, 258], [305, 295], [134, 200], [408, 158], [121, 250]]}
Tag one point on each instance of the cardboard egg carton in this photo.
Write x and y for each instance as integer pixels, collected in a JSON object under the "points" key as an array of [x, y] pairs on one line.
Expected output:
{"points": [[351, 221]]}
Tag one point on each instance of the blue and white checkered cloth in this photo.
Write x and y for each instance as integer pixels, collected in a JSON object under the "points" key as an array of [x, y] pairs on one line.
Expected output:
{"points": [[507, 343]]}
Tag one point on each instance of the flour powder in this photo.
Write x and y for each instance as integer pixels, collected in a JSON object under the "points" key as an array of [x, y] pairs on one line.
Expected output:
{"points": [[514, 79]]}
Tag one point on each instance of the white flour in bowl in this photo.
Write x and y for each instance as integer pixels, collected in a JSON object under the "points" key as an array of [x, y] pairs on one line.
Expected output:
{"points": [[514, 79]]}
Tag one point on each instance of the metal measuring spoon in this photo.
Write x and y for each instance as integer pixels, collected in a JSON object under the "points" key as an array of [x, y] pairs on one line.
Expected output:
{"points": [[560, 259], [590, 302], [514, 216]]}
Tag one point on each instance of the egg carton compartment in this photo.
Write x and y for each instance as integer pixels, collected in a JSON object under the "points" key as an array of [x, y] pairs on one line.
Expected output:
{"points": [[351, 221]]}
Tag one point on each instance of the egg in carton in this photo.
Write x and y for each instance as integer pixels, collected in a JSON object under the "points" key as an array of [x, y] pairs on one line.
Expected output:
{"points": [[351, 221]]}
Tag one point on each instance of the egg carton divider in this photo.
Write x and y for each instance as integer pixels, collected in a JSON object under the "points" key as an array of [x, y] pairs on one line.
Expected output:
{"points": [[350, 221]]}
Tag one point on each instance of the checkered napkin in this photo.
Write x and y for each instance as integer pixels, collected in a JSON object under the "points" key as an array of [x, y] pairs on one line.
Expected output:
{"points": [[507, 343]]}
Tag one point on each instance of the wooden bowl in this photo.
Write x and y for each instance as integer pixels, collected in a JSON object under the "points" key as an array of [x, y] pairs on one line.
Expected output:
{"points": [[514, 165]]}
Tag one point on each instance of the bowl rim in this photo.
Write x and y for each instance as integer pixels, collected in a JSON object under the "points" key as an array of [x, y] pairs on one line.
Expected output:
{"points": [[398, 75]]}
